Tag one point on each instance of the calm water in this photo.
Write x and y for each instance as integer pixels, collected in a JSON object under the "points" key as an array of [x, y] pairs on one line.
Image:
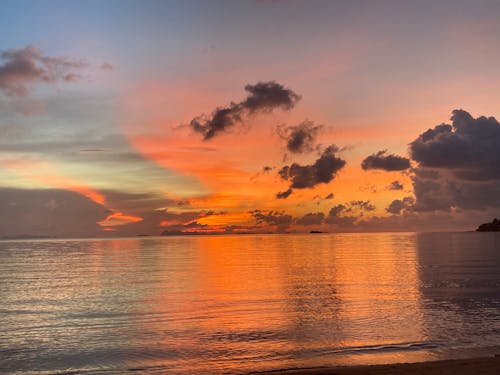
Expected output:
{"points": [[236, 304]]}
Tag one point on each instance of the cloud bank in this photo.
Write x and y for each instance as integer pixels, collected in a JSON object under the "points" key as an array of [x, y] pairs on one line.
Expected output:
{"points": [[48, 212], [458, 164]]}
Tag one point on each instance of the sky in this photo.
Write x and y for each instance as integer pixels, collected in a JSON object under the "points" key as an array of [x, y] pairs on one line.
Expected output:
{"points": [[121, 118]]}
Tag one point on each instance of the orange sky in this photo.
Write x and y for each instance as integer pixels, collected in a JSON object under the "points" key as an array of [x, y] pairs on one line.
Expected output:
{"points": [[110, 121]]}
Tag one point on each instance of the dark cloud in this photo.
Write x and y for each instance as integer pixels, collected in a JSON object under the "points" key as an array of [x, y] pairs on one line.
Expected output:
{"points": [[186, 217], [362, 205], [458, 164], [300, 138], [341, 214], [181, 229], [276, 218], [219, 121], [386, 162], [427, 173], [311, 219], [329, 196], [21, 68], [469, 148], [266, 169], [284, 194], [48, 212], [174, 221], [266, 96], [262, 97], [398, 205], [323, 170], [337, 216], [395, 185], [424, 221]]}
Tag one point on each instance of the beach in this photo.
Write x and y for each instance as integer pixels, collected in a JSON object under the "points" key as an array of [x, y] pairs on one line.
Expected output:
{"points": [[477, 366]]}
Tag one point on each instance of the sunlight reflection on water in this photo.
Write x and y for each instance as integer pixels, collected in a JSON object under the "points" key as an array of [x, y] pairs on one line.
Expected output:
{"points": [[214, 304]]}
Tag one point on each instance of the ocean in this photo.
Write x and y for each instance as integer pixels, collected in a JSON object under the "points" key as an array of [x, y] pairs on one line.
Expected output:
{"points": [[246, 303]]}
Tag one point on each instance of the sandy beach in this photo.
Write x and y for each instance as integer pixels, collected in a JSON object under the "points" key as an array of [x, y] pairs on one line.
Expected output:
{"points": [[476, 366]]}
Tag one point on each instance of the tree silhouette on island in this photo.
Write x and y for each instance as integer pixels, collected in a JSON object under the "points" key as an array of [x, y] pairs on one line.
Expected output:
{"points": [[494, 226]]}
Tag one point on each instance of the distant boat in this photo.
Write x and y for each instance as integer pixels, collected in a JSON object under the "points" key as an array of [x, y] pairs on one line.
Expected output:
{"points": [[316, 231], [494, 226]]}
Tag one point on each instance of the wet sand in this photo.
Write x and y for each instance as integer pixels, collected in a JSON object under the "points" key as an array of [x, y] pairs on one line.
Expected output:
{"points": [[475, 366]]}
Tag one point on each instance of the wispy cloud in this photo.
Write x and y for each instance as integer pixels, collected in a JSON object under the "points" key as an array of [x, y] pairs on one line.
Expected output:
{"points": [[21, 68]]}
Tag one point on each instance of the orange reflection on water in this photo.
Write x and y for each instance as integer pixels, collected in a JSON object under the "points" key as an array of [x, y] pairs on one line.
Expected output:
{"points": [[377, 282], [295, 300]]}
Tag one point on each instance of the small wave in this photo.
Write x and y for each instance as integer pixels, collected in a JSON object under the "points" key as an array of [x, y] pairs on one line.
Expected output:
{"points": [[383, 348]]}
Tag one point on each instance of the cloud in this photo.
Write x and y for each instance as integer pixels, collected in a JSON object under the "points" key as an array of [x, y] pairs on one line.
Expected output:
{"points": [[319, 198], [262, 97], [337, 216], [362, 205], [323, 170], [395, 185], [469, 148], [284, 194], [191, 227], [311, 219], [275, 218], [300, 138], [266, 96], [21, 68], [424, 221], [185, 217], [398, 205], [341, 214], [381, 160], [171, 221], [458, 164], [344, 215]]}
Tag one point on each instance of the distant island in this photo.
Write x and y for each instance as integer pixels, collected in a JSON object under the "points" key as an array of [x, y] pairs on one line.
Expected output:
{"points": [[494, 226], [26, 237], [181, 233], [316, 231]]}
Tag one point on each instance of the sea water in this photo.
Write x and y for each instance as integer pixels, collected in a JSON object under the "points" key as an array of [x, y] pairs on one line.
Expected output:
{"points": [[246, 303]]}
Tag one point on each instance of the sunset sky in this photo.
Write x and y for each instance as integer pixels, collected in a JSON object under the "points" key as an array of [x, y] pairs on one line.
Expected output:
{"points": [[138, 117]]}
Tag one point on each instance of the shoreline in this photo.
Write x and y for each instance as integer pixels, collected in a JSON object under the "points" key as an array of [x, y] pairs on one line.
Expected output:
{"points": [[478, 366]]}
